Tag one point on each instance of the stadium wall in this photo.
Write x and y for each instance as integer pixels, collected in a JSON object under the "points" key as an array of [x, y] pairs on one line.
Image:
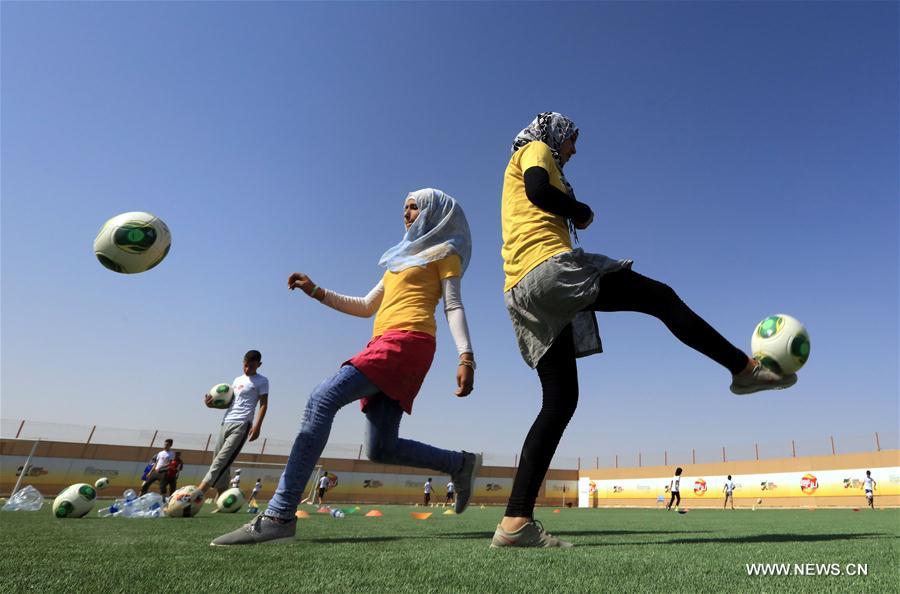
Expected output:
{"points": [[813, 481], [56, 465]]}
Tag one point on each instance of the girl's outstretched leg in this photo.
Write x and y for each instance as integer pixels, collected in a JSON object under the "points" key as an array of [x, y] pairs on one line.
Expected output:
{"points": [[383, 445], [626, 290]]}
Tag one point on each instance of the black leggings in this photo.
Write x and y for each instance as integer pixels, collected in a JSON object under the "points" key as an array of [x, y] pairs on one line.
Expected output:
{"points": [[623, 290], [676, 499]]}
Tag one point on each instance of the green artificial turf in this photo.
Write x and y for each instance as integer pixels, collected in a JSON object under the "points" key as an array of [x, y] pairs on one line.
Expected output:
{"points": [[621, 550]]}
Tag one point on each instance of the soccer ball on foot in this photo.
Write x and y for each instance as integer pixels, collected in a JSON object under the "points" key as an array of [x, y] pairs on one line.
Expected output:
{"points": [[781, 343], [75, 501], [132, 242]]}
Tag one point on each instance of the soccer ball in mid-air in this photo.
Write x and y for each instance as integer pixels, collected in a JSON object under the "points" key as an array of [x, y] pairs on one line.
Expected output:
{"points": [[221, 395], [230, 501], [185, 502], [132, 242], [781, 343], [75, 501], [101, 483], [759, 501]]}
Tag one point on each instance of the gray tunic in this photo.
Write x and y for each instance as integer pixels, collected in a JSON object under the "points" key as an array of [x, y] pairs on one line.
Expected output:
{"points": [[556, 293]]}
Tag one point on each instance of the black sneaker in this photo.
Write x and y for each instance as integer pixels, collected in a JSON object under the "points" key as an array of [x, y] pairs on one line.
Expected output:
{"points": [[263, 529], [464, 480]]}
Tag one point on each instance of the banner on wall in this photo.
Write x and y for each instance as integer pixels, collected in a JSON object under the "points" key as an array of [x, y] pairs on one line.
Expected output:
{"points": [[819, 483]]}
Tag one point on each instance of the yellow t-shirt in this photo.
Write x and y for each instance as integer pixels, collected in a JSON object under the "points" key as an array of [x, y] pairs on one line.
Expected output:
{"points": [[411, 295], [530, 234]]}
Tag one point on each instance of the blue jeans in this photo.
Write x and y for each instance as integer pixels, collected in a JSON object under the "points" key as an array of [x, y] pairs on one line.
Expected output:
{"points": [[382, 442]]}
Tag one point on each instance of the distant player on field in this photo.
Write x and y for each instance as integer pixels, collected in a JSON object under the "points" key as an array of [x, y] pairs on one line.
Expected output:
{"points": [[729, 493], [869, 487], [427, 491], [252, 504], [236, 481], [451, 492], [324, 482], [675, 490], [238, 425], [160, 468]]}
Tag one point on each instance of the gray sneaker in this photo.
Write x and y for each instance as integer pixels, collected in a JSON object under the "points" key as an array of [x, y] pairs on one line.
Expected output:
{"points": [[262, 529], [761, 378], [464, 480], [531, 534]]}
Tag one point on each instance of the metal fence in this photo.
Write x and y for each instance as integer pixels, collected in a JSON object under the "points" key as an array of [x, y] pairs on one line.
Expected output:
{"points": [[787, 448]]}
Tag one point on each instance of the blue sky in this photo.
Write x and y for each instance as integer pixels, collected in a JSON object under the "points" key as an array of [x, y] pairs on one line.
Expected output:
{"points": [[744, 153]]}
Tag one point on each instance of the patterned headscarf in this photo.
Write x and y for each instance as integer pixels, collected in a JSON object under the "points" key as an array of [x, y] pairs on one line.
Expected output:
{"points": [[552, 129], [441, 229]]}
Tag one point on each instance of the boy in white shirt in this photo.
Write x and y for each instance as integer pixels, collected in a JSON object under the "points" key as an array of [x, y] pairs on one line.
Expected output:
{"points": [[160, 467], [324, 483], [869, 487], [451, 492], [729, 493], [427, 489], [675, 490], [238, 425]]}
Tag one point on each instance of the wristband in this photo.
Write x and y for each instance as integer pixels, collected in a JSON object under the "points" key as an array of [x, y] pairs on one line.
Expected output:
{"points": [[467, 364], [313, 292]]}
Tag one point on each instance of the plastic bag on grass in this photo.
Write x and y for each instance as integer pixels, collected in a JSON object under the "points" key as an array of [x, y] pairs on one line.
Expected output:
{"points": [[25, 499]]}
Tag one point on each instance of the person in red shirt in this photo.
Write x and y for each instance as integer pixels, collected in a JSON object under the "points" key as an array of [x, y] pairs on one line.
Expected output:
{"points": [[169, 479]]}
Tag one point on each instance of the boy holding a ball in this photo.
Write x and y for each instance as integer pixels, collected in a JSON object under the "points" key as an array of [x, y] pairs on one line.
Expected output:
{"points": [[238, 425]]}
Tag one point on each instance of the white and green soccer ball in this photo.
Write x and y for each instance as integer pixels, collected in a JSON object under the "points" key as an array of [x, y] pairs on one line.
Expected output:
{"points": [[132, 242], [75, 501], [101, 483], [221, 395], [230, 501], [781, 343], [186, 502]]}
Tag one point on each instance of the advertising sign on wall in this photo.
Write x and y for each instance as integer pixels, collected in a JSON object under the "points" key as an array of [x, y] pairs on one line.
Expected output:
{"points": [[819, 483]]}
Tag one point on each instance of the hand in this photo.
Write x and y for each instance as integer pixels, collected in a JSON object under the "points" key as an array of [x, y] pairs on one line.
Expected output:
{"points": [[298, 280], [465, 381], [585, 224], [254, 433]]}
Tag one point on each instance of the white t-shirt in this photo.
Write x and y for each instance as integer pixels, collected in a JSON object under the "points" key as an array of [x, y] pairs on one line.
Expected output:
{"points": [[675, 482], [236, 481], [450, 487], [868, 483], [428, 487], [256, 488], [729, 486], [162, 460], [247, 390], [323, 482]]}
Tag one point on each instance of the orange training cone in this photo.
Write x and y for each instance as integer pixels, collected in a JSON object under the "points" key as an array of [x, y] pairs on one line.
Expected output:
{"points": [[374, 514], [556, 511], [323, 510], [302, 514], [420, 516]]}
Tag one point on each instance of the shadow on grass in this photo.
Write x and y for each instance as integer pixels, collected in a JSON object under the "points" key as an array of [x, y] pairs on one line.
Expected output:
{"points": [[475, 535], [356, 539], [758, 538]]}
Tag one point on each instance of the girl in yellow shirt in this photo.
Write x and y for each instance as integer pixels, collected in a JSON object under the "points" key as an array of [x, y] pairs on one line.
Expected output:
{"points": [[551, 292], [385, 377]]}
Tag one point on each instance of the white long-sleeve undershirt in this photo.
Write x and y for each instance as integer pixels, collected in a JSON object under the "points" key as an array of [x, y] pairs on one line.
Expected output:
{"points": [[365, 307]]}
